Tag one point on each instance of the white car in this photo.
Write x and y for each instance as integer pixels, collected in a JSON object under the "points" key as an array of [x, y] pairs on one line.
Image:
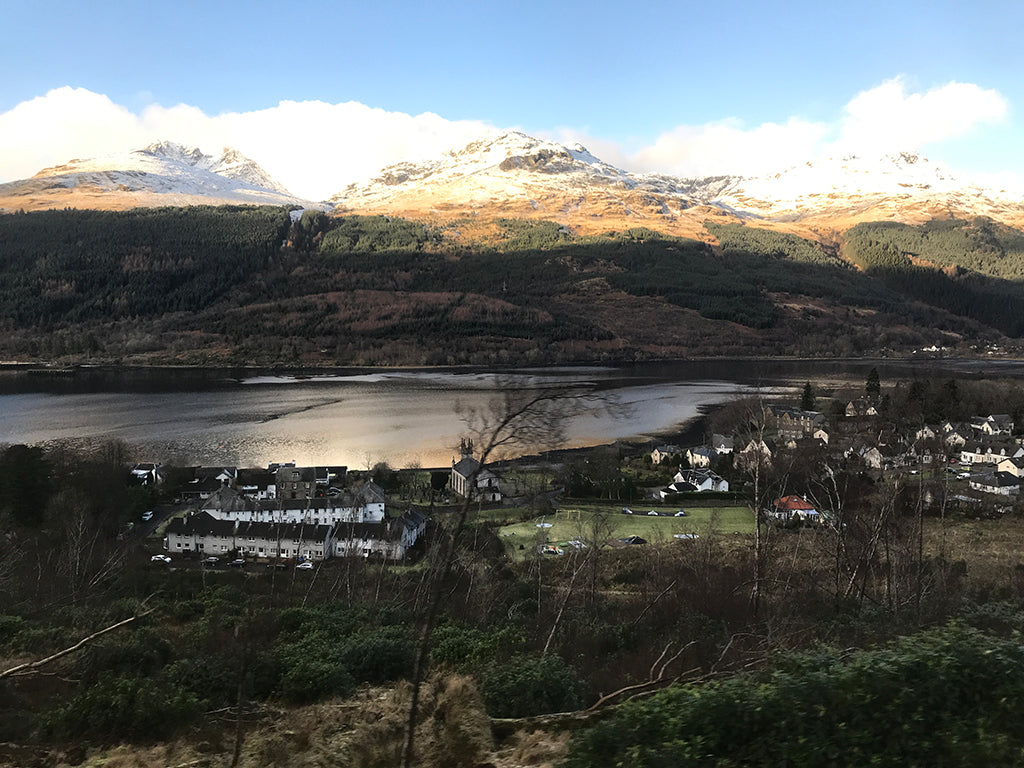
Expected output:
{"points": [[160, 559], [147, 515], [306, 565]]}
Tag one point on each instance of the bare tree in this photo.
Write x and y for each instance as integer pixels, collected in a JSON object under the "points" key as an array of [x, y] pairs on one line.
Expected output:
{"points": [[518, 419]]}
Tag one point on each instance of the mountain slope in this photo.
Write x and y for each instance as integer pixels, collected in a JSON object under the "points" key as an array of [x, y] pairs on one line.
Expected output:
{"points": [[514, 175], [840, 192], [164, 173]]}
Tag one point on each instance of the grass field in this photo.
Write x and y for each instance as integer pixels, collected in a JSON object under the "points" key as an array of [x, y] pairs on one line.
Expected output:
{"points": [[606, 521]]}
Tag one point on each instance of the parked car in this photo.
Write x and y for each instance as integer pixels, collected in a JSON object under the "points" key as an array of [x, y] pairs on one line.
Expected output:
{"points": [[237, 563], [211, 561], [681, 513], [305, 565], [147, 515], [160, 559]]}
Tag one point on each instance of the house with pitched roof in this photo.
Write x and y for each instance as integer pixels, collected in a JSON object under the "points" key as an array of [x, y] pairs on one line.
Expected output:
{"points": [[664, 453], [794, 508], [470, 480]]}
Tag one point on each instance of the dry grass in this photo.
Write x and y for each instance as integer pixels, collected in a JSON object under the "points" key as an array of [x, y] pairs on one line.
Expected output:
{"points": [[366, 731]]}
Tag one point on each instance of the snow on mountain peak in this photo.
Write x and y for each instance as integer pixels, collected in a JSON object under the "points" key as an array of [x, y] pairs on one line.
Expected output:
{"points": [[495, 162], [162, 173]]}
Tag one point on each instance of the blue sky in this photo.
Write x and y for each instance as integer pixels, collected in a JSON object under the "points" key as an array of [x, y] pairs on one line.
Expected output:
{"points": [[633, 82]]}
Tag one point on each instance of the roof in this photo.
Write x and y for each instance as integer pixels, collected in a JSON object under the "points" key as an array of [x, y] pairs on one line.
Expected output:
{"points": [[794, 503], [466, 466], [389, 530], [998, 480], [201, 524], [697, 476], [413, 519], [259, 478], [293, 531], [297, 474]]}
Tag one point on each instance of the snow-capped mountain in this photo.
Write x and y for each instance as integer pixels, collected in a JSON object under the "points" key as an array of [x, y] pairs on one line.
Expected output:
{"points": [[515, 174], [902, 185], [164, 173]]}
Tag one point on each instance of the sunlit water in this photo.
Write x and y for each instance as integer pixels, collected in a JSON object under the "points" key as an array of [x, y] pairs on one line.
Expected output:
{"points": [[403, 418], [358, 420]]}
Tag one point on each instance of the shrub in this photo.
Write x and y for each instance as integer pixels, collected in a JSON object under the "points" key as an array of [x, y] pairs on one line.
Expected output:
{"points": [[531, 685], [951, 697], [381, 655], [305, 679], [124, 708]]}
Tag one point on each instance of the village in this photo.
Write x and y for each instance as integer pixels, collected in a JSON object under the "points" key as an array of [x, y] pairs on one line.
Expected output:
{"points": [[779, 459]]}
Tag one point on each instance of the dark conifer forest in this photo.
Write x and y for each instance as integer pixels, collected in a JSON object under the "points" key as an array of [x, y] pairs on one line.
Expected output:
{"points": [[245, 285]]}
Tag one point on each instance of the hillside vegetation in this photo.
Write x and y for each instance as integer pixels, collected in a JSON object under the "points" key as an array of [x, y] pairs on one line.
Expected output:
{"points": [[242, 285], [973, 269]]}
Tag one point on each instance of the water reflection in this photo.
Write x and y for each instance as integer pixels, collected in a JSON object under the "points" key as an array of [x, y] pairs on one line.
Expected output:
{"points": [[361, 417], [357, 420]]}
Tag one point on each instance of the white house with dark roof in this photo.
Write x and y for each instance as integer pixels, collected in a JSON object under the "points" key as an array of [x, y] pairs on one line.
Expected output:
{"points": [[993, 424], [701, 480], [390, 539], [204, 534], [472, 481], [1000, 483], [362, 504], [722, 444]]}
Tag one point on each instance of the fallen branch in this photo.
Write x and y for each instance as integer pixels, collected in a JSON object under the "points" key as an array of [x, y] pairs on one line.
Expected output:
{"points": [[31, 667], [655, 677]]}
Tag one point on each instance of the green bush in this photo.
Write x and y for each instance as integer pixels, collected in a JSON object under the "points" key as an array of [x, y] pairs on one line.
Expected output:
{"points": [[461, 647], [380, 655], [531, 685], [10, 626], [947, 697], [131, 708], [305, 679]]}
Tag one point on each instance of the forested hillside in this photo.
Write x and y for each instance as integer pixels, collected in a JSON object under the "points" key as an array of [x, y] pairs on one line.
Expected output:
{"points": [[973, 269], [246, 285]]}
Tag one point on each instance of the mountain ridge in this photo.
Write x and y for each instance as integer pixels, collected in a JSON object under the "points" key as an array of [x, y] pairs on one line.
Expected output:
{"points": [[162, 173], [518, 175], [513, 175]]}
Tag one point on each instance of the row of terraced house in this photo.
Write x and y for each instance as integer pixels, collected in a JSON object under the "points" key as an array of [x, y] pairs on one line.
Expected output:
{"points": [[293, 521]]}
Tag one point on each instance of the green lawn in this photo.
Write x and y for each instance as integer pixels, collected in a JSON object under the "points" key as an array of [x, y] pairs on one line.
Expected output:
{"points": [[606, 521]]}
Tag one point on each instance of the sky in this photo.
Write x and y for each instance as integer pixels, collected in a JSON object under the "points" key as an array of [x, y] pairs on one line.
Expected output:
{"points": [[322, 95]]}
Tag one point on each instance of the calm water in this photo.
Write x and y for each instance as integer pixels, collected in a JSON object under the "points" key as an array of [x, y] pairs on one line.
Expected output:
{"points": [[357, 419]]}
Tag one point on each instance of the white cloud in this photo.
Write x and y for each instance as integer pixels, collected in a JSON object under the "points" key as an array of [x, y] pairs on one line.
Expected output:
{"points": [[884, 119], [728, 147], [887, 118], [313, 148], [64, 124], [316, 148]]}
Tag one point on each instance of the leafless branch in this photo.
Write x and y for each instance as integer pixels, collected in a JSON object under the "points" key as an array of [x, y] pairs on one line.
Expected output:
{"points": [[32, 666]]}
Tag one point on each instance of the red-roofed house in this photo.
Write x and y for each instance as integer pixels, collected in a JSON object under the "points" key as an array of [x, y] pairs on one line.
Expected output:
{"points": [[794, 508]]}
